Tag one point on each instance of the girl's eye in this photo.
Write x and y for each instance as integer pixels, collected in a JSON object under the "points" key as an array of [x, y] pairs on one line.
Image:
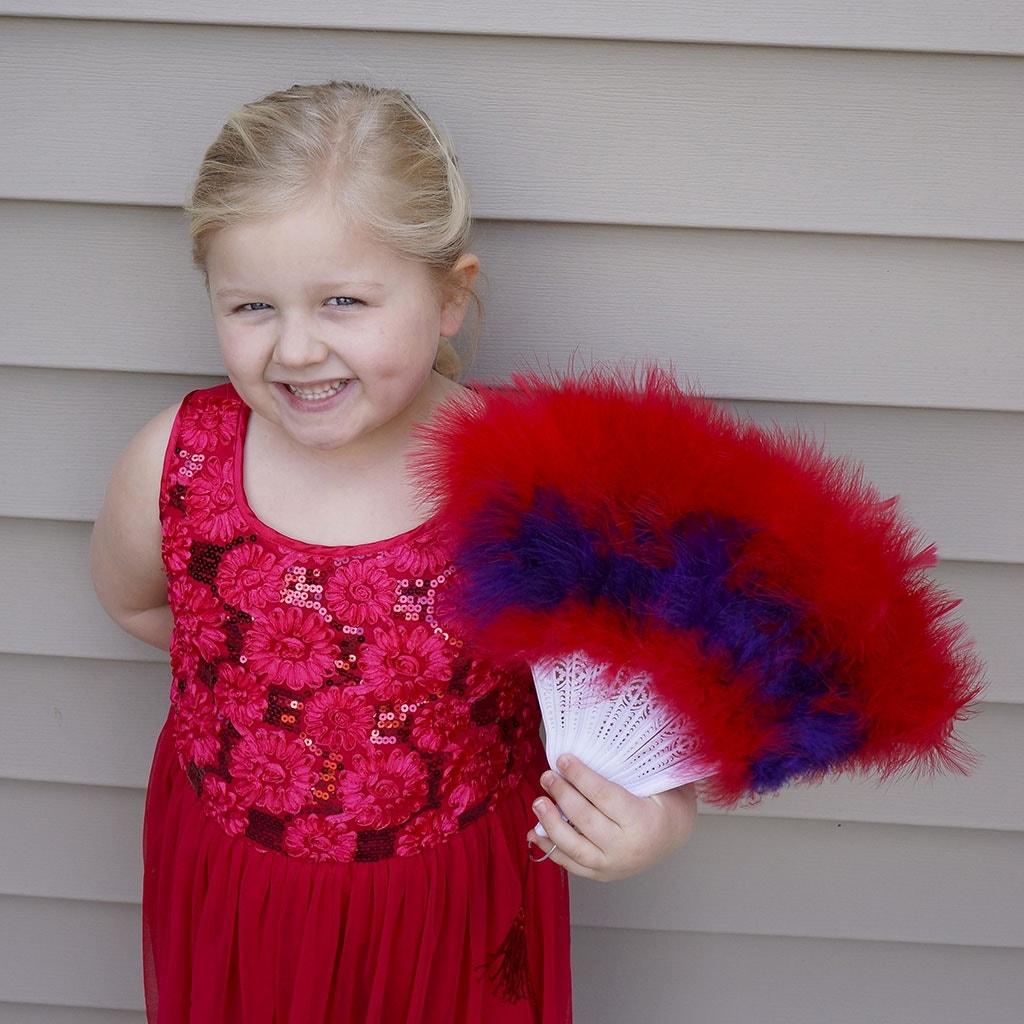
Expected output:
{"points": [[342, 300], [254, 307]]}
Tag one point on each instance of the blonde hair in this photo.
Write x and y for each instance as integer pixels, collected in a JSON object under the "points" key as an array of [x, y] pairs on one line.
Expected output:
{"points": [[373, 150]]}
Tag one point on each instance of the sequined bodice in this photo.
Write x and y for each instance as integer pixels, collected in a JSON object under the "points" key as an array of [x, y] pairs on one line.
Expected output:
{"points": [[319, 707]]}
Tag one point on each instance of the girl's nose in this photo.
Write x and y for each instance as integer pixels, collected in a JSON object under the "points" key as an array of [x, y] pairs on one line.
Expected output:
{"points": [[299, 343]]}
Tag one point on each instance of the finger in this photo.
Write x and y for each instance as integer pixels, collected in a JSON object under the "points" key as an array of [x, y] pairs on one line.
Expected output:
{"points": [[552, 821], [541, 856], [573, 845], [578, 814], [586, 791], [543, 850], [571, 810]]}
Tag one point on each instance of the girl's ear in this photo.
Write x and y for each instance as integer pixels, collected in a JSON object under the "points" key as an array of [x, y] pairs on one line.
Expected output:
{"points": [[458, 290]]}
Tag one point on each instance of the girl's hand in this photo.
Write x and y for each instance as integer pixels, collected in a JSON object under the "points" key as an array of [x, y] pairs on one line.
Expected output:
{"points": [[610, 833]]}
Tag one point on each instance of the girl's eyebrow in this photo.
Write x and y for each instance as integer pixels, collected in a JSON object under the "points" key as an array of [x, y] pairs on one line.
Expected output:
{"points": [[334, 287]]}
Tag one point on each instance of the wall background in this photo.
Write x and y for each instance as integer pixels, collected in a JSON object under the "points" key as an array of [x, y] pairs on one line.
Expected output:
{"points": [[813, 209]]}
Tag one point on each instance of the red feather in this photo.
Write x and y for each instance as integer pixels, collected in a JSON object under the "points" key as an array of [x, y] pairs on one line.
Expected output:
{"points": [[618, 449]]}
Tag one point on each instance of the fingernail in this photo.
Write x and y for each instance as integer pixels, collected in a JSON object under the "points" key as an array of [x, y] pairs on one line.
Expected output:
{"points": [[547, 780], [564, 763], [539, 807]]}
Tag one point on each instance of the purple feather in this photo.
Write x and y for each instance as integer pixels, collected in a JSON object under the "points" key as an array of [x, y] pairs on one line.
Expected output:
{"points": [[686, 580], [546, 558], [809, 743]]}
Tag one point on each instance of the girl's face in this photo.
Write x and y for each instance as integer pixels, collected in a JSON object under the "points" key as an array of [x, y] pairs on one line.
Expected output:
{"points": [[326, 333]]}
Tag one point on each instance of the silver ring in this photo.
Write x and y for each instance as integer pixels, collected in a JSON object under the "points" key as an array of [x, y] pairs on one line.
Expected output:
{"points": [[540, 860]]}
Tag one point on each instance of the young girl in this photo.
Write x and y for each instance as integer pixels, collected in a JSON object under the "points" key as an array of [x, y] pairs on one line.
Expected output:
{"points": [[341, 802]]}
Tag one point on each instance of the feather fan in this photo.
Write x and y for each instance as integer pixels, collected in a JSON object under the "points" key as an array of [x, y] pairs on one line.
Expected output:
{"points": [[756, 606]]}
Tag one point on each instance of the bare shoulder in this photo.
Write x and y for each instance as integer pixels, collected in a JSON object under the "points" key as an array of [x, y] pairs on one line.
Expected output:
{"points": [[150, 443], [124, 554], [135, 480]]}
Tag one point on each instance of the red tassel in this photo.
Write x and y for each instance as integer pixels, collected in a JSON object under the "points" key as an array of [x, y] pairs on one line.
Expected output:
{"points": [[508, 968]]}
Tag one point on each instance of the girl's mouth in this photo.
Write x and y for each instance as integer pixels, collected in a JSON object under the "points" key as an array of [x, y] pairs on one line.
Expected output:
{"points": [[316, 392]]}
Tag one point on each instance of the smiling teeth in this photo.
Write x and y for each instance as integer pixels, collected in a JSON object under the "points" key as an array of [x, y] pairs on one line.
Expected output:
{"points": [[312, 394]]}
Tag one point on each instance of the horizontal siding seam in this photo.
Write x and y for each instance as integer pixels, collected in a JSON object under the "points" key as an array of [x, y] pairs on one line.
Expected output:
{"points": [[1005, 239], [483, 222], [54, 519], [743, 935], [716, 394], [789, 934], [1010, 50], [809, 934]]}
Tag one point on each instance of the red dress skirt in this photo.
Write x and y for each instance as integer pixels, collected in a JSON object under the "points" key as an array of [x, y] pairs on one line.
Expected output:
{"points": [[236, 934], [337, 812]]}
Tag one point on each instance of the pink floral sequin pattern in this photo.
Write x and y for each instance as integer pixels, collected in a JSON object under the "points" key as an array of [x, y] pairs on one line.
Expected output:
{"points": [[319, 706]]}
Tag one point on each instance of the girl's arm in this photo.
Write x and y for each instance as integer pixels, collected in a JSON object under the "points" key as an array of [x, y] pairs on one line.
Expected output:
{"points": [[611, 834], [124, 555]]}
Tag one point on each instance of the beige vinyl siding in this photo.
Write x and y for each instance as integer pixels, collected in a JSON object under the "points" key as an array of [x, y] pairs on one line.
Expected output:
{"points": [[717, 887], [762, 315], [783, 980], [912, 452], [80, 707], [963, 26], [69, 953], [28, 1013], [549, 129], [48, 559], [803, 220]]}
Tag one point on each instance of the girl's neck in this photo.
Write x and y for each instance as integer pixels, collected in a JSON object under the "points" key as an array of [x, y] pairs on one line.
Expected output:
{"points": [[356, 494]]}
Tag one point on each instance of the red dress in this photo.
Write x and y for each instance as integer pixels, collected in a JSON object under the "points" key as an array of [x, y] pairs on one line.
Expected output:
{"points": [[336, 818]]}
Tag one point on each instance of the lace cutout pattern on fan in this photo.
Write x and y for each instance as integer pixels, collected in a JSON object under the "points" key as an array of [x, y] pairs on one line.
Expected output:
{"points": [[618, 729]]}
